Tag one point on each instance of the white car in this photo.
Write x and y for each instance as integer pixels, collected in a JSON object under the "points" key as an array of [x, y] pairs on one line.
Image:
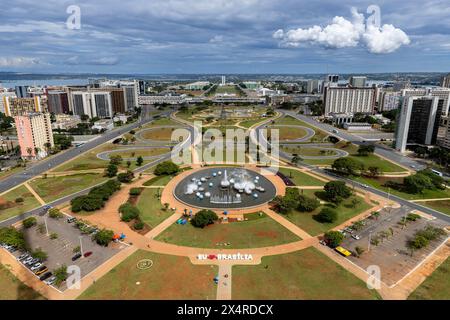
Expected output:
{"points": [[36, 266], [356, 237], [50, 280]]}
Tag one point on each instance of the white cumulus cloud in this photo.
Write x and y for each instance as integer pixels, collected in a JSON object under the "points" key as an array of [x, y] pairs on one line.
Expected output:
{"points": [[344, 33]]}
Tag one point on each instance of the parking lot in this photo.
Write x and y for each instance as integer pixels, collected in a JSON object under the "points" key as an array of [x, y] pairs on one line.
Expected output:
{"points": [[60, 250], [388, 249]]}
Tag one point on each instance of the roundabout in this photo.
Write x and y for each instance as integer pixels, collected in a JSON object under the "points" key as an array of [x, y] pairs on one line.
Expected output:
{"points": [[224, 188]]}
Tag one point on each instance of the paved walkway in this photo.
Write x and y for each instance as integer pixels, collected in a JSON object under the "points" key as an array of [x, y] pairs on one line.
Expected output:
{"points": [[224, 285], [34, 193]]}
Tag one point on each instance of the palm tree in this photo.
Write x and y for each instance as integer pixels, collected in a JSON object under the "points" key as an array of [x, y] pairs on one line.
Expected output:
{"points": [[29, 151]]}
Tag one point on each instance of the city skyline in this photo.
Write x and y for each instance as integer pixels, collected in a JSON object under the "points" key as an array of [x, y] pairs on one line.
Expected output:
{"points": [[224, 37]]}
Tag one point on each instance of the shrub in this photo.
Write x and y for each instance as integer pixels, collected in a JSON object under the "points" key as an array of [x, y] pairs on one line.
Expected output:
{"points": [[135, 191], [166, 168], [29, 222], [111, 170], [55, 213], [53, 236], [138, 225], [326, 215], [129, 212], [19, 200], [96, 198], [203, 218]]}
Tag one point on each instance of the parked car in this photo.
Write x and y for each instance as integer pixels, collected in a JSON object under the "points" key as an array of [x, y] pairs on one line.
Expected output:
{"points": [[76, 257], [45, 276], [50, 280], [27, 260], [356, 237], [41, 270], [35, 266], [32, 261], [87, 254], [23, 256], [72, 219]]}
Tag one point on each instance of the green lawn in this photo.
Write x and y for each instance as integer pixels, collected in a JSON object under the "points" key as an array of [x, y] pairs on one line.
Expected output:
{"points": [[305, 151], [319, 136], [379, 184], [442, 206], [13, 289], [305, 220], [255, 233], [369, 161], [9, 208], [170, 278], [288, 133], [249, 123], [151, 208], [158, 181], [302, 275], [436, 286], [301, 178], [53, 188]]}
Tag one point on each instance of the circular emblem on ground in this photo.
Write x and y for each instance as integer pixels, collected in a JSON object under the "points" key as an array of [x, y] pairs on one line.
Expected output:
{"points": [[225, 188], [144, 264]]}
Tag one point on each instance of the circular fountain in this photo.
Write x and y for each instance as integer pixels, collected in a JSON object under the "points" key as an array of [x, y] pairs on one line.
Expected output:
{"points": [[225, 188]]}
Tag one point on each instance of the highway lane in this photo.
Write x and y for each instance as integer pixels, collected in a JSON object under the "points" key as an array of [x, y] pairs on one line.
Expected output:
{"points": [[341, 134], [45, 165], [362, 187]]}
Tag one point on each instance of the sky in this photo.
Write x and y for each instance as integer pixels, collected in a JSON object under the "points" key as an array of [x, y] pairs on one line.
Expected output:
{"points": [[224, 36]]}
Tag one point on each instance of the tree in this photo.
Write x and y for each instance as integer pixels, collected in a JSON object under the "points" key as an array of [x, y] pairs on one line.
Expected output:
{"points": [[139, 161], [128, 212], [204, 218], [359, 251], [166, 168], [334, 238], [420, 151], [125, 177], [374, 171], [111, 170], [55, 213], [365, 150], [115, 159], [29, 222], [104, 237], [84, 117], [288, 202], [62, 141], [335, 191], [12, 237], [128, 163], [39, 254], [348, 166], [326, 215], [417, 183], [306, 204], [60, 275]]}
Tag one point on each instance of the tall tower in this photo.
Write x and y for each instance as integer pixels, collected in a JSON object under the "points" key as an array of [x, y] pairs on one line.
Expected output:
{"points": [[223, 80]]}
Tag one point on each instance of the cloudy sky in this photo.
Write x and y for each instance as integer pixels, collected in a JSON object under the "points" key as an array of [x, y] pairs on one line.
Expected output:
{"points": [[225, 36]]}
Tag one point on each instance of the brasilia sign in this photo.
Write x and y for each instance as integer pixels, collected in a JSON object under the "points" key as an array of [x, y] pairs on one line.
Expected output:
{"points": [[223, 256]]}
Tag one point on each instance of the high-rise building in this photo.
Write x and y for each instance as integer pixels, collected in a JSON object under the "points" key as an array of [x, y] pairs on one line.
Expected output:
{"points": [[418, 121], [357, 81], [118, 100], [3, 95], [349, 100], [19, 106], [446, 81], [34, 133], [332, 78], [313, 86], [58, 102], [223, 80], [22, 92], [131, 96], [389, 100], [401, 84], [93, 104], [441, 93], [445, 140]]}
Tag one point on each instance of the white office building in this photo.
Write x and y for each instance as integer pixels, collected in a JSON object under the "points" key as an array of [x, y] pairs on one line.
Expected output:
{"points": [[349, 100], [441, 93], [93, 104]]}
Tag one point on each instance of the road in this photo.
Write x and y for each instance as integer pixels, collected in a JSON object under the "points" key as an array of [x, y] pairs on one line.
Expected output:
{"points": [[383, 151], [44, 165], [393, 156]]}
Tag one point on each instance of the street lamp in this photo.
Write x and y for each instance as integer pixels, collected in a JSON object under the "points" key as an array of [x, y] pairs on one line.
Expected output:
{"points": [[81, 245], [46, 226], [370, 239]]}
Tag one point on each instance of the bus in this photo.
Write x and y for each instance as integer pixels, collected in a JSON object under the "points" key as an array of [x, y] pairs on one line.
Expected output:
{"points": [[343, 251], [437, 172]]}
